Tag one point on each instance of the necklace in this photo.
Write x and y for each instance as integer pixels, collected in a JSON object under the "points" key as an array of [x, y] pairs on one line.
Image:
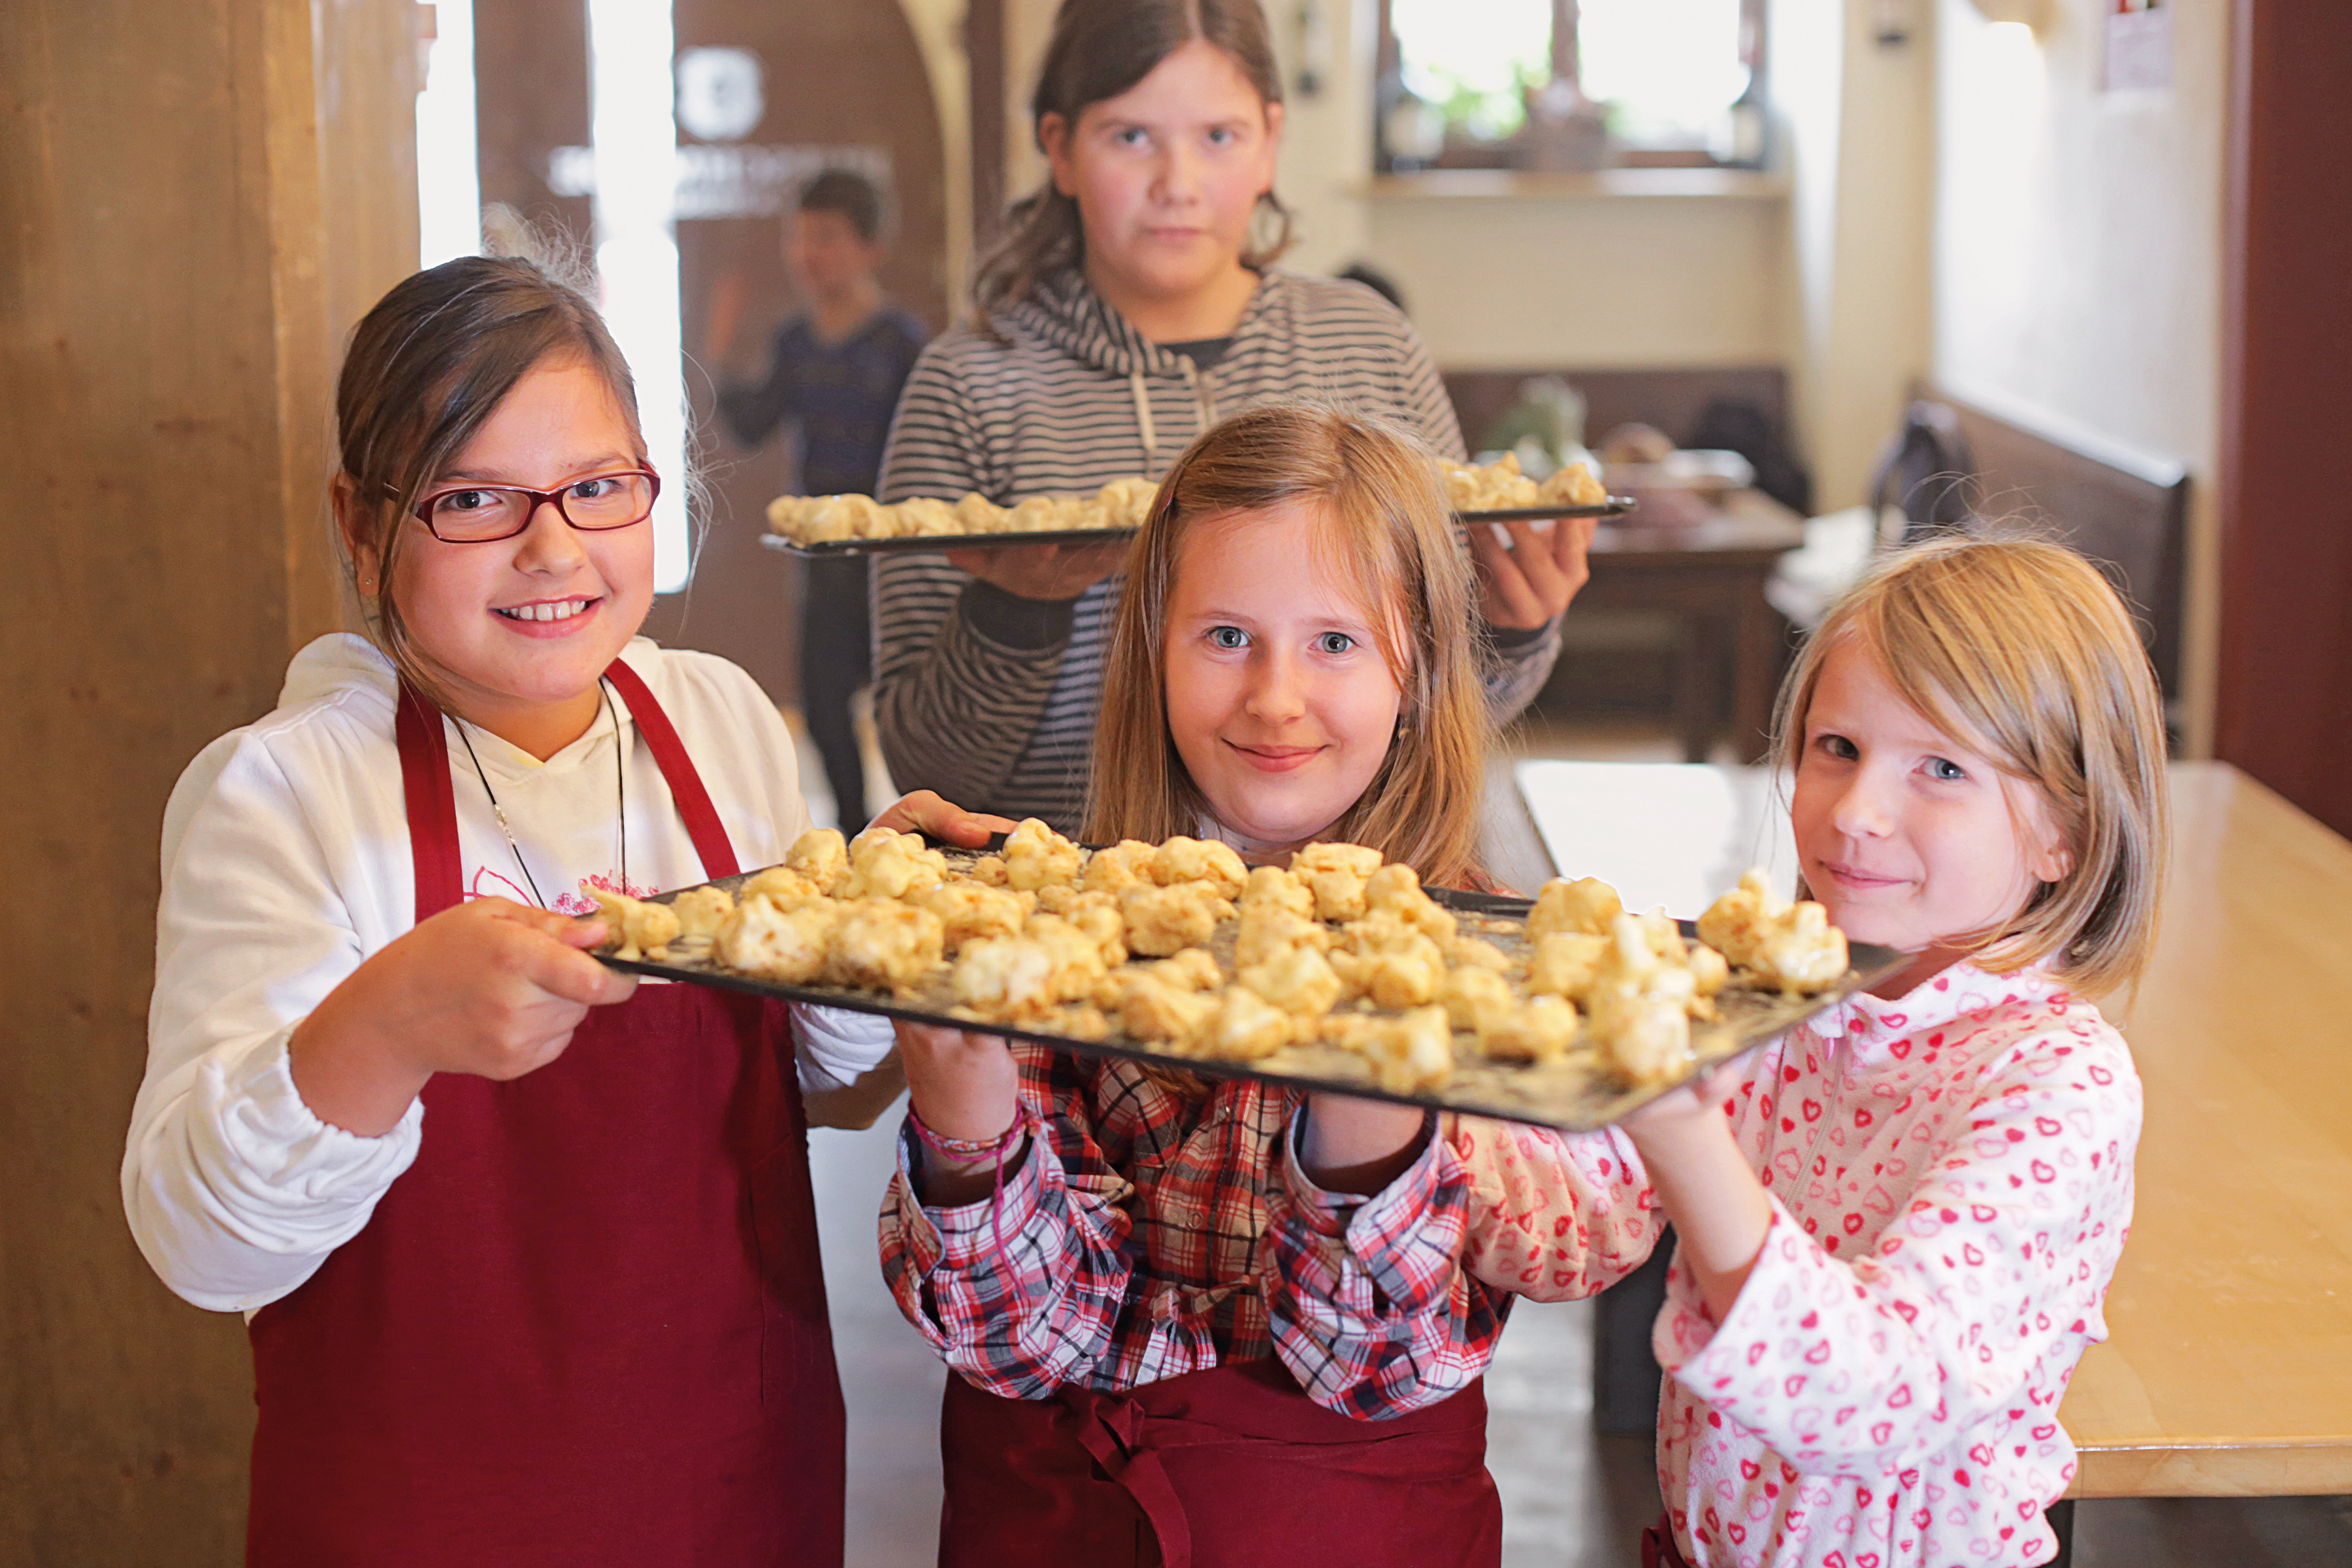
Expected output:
{"points": [[620, 788]]}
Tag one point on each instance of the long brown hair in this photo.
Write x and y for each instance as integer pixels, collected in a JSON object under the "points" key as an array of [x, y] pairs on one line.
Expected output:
{"points": [[425, 368], [1098, 49], [2018, 646], [1386, 527]]}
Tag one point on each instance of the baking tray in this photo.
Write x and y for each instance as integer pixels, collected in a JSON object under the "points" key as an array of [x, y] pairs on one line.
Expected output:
{"points": [[1575, 1094], [933, 544]]}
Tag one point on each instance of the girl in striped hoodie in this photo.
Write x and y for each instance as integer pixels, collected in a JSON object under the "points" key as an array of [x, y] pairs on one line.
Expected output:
{"points": [[1132, 304]]}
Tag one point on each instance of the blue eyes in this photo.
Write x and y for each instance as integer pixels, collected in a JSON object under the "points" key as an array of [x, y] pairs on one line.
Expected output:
{"points": [[1233, 638], [1950, 771]]}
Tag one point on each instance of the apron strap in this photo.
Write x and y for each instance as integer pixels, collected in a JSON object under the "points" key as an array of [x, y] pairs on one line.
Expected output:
{"points": [[694, 807], [432, 805], [432, 801]]}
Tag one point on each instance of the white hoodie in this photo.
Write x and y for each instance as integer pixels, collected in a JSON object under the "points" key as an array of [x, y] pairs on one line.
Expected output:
{"points": [[286, 863]]}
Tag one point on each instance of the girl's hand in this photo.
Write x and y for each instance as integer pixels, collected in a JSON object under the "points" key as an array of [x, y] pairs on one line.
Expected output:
{"points": [[1359, 1145], [1527, 586], [1042, 571], [490, 988], [925, 812], [962, 1086]]}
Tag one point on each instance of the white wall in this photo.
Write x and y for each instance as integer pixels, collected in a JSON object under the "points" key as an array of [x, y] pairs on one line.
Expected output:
{"points": [[2078, 252]]}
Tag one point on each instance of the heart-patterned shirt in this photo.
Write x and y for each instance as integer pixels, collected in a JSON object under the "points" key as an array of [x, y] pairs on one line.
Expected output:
{"points": [[1951, 1179]]}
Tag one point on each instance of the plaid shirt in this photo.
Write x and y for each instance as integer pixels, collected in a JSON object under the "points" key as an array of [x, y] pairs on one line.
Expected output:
{"points": [[1147, 1235]]}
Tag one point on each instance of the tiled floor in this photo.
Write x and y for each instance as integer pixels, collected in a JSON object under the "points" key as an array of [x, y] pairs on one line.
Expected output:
{"points": [[1572, 1497]]}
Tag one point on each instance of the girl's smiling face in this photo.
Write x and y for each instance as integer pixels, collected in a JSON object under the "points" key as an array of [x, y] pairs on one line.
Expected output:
{"points": [[519, 630], [1910, 837], [1279, 699], [1168, 174]]}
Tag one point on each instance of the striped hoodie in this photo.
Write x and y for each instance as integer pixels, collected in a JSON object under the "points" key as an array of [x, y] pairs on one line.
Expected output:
{"points": [[990, 699]]}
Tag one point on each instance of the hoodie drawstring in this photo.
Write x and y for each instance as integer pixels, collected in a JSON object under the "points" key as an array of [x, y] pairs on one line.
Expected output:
{"points": [[1143, 417], [1203, 400]]}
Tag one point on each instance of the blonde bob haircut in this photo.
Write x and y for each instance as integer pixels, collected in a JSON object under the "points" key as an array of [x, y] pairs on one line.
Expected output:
{"points": [[1382, 526], [2018, 649]]}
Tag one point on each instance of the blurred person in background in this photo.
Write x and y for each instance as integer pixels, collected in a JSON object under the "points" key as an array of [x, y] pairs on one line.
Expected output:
{"points": [[834, 371]]}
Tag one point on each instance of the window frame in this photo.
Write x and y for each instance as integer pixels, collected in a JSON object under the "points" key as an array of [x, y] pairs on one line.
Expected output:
{"points": [[1509, 153]]}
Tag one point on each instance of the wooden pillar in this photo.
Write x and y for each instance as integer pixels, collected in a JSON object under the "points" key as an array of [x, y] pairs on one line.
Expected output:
{"points": [[196, 202], [2285, 666]]}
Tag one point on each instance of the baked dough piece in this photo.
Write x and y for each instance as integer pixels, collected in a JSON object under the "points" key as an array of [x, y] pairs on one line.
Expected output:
{"points": [[1193, 969], [786, 940], [822, 857], [1540, 1030], [1122, 865], [702, 910], [1587, 905], [1566, 963], [988, 871], [1124, 503], [1335, 874], [1471, 997], [1161, 920], [1410, 1054], [1182, 859], [1641, 1007], [1297, 980], [1476, 952], [783, 883], [1152, 1010], [1395, 889], [1267, 933], [1244, 1028], [1097, 915], [1575, 485], [1394, 977], [925, 515], [1272, 888], [886, 863], [634, 928], [1790, 946], [1009, 979], [1036, 857], [969, 911], [882, 944]]}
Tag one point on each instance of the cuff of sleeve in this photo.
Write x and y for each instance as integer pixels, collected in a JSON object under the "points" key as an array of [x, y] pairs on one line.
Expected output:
{"points": [[1510, 640], [276, 1135], [1013, 622], [962, 1236], [835, 1047], [1685, 1338], [1367, 1222]]}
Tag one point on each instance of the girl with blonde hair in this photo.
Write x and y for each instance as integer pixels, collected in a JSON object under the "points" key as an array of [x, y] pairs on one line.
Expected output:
{"points": [[1159, 1294], [1897, 1222]]}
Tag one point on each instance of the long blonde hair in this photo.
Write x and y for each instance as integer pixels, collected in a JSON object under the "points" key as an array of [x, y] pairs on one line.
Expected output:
{"points": [[1387, 529], [2020, 646]]}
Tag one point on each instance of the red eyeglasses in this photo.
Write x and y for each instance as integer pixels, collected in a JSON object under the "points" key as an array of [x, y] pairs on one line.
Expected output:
{"points": [[478, 514]]}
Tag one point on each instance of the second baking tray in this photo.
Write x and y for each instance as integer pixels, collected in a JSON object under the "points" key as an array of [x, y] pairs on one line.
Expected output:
{"points": [[1615, 506], [1577, 1094]]}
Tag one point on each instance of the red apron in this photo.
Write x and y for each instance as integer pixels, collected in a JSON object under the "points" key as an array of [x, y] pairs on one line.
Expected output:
{"points": [[1234, 1467], [587, 1326]]}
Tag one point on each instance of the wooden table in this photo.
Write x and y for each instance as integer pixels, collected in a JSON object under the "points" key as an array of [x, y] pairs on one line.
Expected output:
{"points": [[2229, 1368], [1711, 573]]}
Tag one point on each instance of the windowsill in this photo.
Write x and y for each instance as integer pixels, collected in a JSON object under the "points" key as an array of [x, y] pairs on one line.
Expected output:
{"points": [[1514, 184]]}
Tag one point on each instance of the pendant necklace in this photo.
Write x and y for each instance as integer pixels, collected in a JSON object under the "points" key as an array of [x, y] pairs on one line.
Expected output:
{"points": [[620, 787]]}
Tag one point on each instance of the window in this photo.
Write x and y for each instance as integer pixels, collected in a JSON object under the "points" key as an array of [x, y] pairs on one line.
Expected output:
{"points": [[1569, 84]]}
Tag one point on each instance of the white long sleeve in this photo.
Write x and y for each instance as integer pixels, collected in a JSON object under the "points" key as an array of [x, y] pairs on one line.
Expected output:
{"points": [[286, 863]]}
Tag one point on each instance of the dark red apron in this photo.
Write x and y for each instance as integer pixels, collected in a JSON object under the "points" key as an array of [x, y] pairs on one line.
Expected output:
{"points": [[587, 1326], [1234, 1467]]}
